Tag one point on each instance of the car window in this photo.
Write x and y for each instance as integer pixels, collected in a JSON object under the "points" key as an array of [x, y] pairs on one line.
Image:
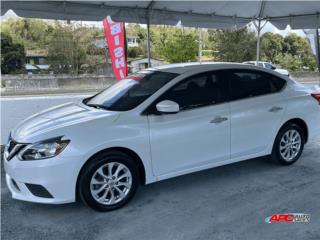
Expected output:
{"points": [[246, 84], [260, 64], [196, 91], [127, 94]]}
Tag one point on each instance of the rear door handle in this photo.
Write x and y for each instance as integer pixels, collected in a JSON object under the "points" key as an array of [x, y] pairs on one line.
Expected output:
{"points": [[218, 119], [275, 109]]}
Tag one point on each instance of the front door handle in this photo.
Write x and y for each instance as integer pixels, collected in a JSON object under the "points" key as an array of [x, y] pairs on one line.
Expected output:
{"points": [[218, 119], [275, 109]]}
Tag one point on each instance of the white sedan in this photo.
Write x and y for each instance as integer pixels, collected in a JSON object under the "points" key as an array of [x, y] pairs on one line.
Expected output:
{"points": [[157, 124]]}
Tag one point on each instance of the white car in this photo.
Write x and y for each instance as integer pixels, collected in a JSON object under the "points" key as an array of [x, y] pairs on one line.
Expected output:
{"points": [[157, 124], [271, 66]]}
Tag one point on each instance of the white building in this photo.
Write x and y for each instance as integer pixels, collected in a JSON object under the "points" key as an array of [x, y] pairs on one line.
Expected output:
{"points": [[132, 41]]}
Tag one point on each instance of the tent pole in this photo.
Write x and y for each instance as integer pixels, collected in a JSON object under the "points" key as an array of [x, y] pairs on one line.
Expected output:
{"points": [[148, 44], [258, 41], [149, 8], [317, 48], [200, 46]]}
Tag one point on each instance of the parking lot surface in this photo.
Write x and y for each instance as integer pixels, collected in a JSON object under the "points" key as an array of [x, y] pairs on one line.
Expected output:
{"points": [[229, 202]]}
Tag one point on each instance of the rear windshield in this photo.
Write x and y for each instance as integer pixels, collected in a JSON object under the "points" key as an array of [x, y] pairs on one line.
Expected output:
{"points": [[127, 94]]}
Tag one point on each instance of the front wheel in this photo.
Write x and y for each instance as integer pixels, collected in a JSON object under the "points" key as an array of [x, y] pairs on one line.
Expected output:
{"points": [[288, 145], [108, 181]]}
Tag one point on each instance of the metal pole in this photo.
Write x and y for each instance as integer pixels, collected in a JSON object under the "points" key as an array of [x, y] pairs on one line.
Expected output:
{"points": [[258, 41], [148, 44], [200, 46], [317, 48]]}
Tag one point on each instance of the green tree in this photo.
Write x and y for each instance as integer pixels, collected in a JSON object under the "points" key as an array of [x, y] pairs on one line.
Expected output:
{"points": [[233, 45], [135, 30], [296, 54], [12, 55], [70, 46], [174, 45], [67, 51], [181, 47], [32, 33], [134, 52], [271, 46]]}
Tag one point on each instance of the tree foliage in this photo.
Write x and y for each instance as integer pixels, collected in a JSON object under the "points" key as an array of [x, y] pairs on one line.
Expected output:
{"points": [[134, 52], [12, 55], [233, 45], [71, 47], [67, 51], [175, 45], [271, 46], [292, 51], [31, 33]]}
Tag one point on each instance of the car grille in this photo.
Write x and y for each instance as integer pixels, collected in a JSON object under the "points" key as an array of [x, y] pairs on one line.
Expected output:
{"points": [[13, 148], [38, 190]]}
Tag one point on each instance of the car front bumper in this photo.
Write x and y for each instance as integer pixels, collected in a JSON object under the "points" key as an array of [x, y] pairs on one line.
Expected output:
{"points": [[50, 180]]}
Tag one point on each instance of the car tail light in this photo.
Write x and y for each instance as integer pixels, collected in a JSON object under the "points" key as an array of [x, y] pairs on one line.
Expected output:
{"points": [[316, 96]]}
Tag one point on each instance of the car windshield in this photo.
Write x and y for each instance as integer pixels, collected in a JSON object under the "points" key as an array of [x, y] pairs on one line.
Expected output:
{"points": [[127, 94]]}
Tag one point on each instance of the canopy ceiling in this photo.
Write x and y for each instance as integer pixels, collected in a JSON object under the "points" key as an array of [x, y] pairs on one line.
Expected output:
{"points": [[208, 14]]}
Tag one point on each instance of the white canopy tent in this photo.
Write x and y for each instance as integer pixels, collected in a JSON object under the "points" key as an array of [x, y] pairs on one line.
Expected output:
{"points": [[206, 14]]}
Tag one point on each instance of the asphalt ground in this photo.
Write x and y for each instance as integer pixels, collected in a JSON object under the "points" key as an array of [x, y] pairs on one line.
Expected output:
{"points": [[229, 202]]}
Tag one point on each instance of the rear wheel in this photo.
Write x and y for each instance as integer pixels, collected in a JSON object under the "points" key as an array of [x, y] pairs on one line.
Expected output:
{"points": [[289, 144], [108, 181]]}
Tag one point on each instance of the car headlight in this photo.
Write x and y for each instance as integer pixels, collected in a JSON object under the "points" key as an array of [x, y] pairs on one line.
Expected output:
{"points": [[45, 149]]}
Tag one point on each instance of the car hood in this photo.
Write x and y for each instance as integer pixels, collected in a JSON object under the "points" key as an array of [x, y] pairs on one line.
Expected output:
{"points": [[57, 118]]}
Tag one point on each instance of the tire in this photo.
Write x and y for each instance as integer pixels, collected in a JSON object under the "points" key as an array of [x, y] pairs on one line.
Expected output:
{"points": [[96, 181], [284, 143]]}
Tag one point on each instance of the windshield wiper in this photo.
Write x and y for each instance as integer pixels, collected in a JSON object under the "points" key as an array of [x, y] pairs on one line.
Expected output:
{"points": [[97, 106]]}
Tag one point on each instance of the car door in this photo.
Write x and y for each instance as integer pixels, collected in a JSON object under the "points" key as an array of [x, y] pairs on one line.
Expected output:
{"points": [[256, 108], [199, 134]]}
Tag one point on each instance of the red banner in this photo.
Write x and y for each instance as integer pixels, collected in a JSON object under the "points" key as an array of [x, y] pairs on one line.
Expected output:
{"points": [[115, 37]]}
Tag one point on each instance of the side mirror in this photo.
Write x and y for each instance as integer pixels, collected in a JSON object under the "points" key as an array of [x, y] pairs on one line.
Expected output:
{"points": [[167, 106]]}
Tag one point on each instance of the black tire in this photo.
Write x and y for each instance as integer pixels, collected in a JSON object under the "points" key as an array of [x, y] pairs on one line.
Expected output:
{"points": [[276, 155], [91, 167]]}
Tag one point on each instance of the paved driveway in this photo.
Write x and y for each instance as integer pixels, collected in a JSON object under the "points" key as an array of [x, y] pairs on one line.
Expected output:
{"points": [[229, 202]]}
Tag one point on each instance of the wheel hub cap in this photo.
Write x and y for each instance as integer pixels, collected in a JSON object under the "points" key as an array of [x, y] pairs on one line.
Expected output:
{"points": [[290, 145], [111, 183]]}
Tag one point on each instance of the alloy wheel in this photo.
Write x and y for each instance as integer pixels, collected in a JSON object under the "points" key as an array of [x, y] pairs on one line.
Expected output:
{"points": [[111, 183], [290, 145]]}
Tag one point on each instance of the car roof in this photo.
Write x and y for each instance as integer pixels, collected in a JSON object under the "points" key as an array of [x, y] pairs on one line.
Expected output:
{"points": [[181, 68]]}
